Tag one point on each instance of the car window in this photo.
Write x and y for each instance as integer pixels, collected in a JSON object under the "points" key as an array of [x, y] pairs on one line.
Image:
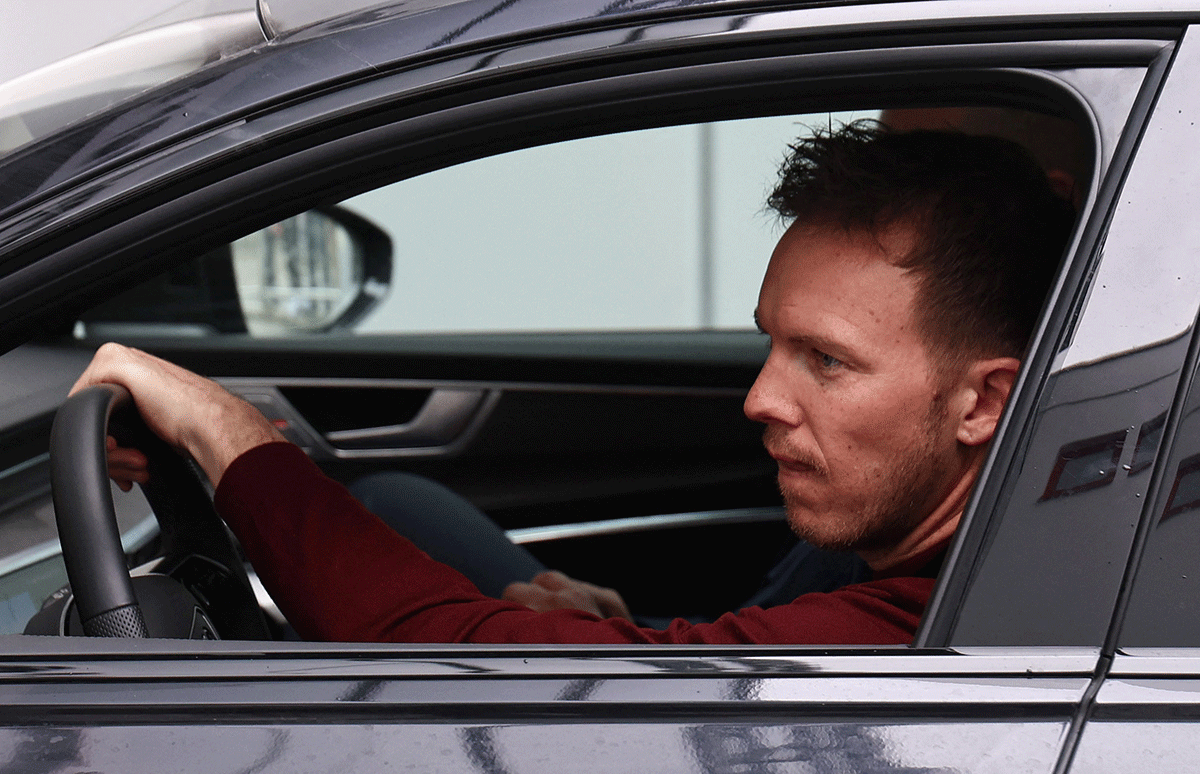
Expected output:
{"points": [[556, 238], [653, 230], [659, 230], [560, 237]]}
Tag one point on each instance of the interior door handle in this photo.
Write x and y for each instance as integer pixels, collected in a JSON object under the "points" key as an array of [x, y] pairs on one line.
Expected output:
{"points": [[444, 416]]}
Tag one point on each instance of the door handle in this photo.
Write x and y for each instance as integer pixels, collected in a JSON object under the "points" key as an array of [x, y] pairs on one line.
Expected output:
{"points": [[445, 415]]}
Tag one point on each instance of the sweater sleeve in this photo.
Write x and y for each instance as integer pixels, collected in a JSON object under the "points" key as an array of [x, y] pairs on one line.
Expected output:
{"points": [[340, 574]]}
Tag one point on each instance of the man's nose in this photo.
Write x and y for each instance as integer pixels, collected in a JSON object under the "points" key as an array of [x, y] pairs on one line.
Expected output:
{"points": [[769, 401]]}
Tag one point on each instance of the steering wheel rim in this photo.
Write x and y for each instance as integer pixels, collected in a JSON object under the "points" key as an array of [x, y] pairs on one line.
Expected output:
{"points": [[197, 546]]}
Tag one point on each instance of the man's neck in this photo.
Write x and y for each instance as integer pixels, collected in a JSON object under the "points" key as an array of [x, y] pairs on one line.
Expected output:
{"points": [[933, 531]]}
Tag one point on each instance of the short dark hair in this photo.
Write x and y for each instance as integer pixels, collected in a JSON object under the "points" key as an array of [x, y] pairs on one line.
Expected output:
{"points": [[990, 230]]}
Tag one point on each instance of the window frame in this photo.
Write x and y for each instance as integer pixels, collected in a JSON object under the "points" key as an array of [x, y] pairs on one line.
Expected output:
{"points": [[331, 146]]}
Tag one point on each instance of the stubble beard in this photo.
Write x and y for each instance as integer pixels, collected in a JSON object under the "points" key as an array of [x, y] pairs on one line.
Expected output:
{"points": [[887, 515]]}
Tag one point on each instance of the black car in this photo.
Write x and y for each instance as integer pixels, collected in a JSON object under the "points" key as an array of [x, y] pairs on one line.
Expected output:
{"points": [[499, 244]]}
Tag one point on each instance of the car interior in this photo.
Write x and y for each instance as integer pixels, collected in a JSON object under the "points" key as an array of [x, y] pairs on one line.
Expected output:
{"points": [[492, 325]]}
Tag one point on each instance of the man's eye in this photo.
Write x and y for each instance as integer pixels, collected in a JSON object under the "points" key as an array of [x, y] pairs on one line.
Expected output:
{"points": [[828, 362]]}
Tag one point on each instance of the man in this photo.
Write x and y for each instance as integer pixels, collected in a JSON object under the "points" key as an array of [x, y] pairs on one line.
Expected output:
{"points": [[1057, 146], [897, 304]]}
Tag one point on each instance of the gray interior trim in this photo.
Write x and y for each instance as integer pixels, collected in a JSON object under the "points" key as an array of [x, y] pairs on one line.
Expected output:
{"points": [[240, 384], [646, 524], [445, 415]]}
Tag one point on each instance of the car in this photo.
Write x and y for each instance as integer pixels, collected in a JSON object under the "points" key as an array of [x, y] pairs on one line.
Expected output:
{"points": [[498, 244]]}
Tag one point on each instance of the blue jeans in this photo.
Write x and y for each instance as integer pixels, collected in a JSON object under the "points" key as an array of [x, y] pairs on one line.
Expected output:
{"points": [[452, 530]]}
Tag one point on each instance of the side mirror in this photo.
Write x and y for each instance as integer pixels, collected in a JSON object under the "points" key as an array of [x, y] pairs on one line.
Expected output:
{"points": [[321, 270]]}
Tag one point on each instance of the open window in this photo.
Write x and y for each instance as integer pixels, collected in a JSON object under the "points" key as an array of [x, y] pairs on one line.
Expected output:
{"points": [[564, 336]]}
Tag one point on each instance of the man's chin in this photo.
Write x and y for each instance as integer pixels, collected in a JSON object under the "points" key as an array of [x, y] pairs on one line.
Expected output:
{"points": [[821, 532], [831, 533]]}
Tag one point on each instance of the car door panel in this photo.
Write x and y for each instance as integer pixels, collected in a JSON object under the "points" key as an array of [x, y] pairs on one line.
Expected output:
{"points": [[559, 437], [1144, 714], [443, 708]]}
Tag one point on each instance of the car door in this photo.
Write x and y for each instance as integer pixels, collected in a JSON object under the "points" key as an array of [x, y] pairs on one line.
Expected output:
{"points": [[975, 699], [1144, 696]]}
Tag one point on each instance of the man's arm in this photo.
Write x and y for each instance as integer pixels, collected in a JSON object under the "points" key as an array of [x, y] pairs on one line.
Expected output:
{"points": [[339, 573]]}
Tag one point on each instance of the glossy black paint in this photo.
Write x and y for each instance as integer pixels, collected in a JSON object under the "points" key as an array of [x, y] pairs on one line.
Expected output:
{"points": [[442, 708], [332, 54]]}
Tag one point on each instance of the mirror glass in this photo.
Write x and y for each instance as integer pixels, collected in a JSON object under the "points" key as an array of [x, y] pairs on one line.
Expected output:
{"points": [[298, 275]]}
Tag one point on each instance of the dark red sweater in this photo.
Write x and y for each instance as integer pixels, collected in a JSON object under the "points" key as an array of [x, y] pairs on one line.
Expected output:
{"points": [[339, 573]]}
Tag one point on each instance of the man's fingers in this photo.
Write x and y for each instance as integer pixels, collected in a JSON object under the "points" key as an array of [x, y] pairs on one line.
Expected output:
{"points": [[553, 580], [534, 597], [125, 455], [126, 466], [127, 460], [516, 591], [610, 603], [553, 590], [541, 600]]}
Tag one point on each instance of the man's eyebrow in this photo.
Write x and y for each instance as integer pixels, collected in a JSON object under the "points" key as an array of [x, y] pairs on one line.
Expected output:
{"points": [[823, 343]]}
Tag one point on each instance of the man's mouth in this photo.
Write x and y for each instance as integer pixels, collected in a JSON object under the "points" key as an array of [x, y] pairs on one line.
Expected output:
{"points": [[795, 466], [791, 461], [792, 467]]}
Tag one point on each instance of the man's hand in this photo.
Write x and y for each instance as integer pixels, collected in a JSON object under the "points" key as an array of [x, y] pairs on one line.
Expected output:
{"points": [[555, 591], [126, 466], [193, 414]]}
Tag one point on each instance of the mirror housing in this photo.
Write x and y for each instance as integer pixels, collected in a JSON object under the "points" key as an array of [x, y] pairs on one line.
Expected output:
{"points": [[318, 271]]}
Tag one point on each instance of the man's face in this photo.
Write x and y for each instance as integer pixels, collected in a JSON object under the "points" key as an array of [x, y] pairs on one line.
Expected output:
{"points": [[855, 412]]}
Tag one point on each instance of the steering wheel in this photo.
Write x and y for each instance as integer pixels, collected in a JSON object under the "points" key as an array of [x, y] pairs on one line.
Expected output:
{"points": [[198, 588]]}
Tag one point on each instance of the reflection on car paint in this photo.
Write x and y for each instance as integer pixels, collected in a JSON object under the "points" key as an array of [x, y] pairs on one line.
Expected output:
{"points": [[1084, 465], [576, 708], [1093, 462], [1085, 486], [1185, 490], [887, 746], [1164, 609], [1149, 439]]}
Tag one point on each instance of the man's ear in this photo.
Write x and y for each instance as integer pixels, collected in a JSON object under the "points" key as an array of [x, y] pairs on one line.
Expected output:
{"points": [[985, 389]]}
